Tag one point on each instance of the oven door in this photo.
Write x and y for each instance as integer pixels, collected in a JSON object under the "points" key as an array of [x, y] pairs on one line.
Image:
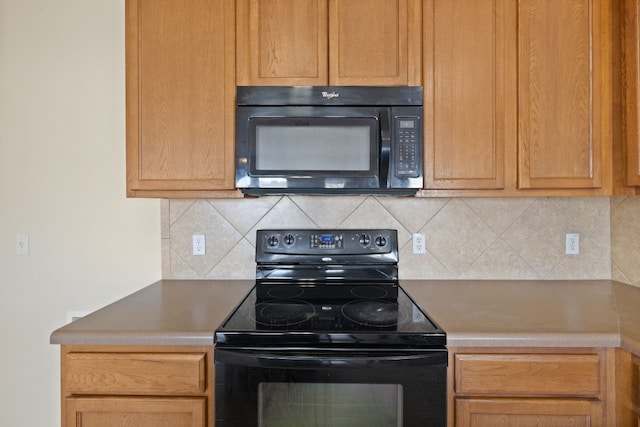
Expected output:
{"points": [[330, 388]]}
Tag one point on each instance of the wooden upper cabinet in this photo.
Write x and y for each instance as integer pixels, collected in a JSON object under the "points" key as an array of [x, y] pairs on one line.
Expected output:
{"points": [[375, 42], [282, 42], [328, 42], [632, 97], [564, 74], [180, 68], [470, 93]]}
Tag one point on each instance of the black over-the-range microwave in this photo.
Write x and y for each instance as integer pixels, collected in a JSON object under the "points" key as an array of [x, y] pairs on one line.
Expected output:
{"points": [[329, 140]]}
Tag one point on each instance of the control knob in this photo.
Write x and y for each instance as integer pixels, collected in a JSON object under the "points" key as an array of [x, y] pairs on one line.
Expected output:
{"points": [[364, 240], [381, 241], [272, 241], [289, 239]]}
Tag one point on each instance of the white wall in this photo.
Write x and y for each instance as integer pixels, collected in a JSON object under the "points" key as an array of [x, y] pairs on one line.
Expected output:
{"points": [[62, 181]]}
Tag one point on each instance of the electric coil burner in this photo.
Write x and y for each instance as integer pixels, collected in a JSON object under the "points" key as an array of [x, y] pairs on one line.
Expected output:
{"points": [[327, 318]]}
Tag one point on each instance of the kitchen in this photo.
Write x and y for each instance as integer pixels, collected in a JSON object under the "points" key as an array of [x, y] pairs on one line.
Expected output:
{"points": [[62, 166]]}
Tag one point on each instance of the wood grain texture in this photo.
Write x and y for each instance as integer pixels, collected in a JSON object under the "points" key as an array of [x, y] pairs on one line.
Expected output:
{"points": [[635, 384], [564, 93], [109, 385], [631, 46], [138, 412], [470, 93], [526, 386], [180, 95], [374, 42], [526, 413], [543, 375], [282, 42], [136, 373], [624, 390]]}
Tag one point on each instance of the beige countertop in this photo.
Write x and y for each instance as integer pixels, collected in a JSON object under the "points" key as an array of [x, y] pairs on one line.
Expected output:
{"points": [[168, 312], [511, 313], [524, 313]]}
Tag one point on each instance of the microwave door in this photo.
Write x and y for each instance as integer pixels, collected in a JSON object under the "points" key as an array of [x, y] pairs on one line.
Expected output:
{"points": [[315, 153]]}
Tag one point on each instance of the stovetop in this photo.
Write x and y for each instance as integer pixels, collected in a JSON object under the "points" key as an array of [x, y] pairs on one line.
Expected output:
{"points": [[335, 288], [370, 322]]}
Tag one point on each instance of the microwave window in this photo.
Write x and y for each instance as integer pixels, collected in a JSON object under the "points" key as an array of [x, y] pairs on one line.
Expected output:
{"points": [[313, 148]]}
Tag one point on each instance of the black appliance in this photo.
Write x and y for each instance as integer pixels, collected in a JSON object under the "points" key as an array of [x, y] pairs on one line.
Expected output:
{"points": [[328, 338], [329, 139]]}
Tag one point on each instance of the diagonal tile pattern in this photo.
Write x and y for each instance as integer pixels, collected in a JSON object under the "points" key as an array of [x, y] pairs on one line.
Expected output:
{"points": [[467, 238], [625, 239]]}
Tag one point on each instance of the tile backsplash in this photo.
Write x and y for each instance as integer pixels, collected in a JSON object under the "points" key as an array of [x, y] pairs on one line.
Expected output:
{"points": [[467, 238], [625, 239]]}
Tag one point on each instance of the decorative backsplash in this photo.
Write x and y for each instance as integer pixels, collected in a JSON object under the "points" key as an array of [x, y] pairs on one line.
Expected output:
{"points": [[625, 239], [466, 238]]}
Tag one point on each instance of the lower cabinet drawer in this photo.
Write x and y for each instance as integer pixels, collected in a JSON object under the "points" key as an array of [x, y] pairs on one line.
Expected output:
{"points": [[492, 412], [135, 411], [528, 375], [135, 373]]}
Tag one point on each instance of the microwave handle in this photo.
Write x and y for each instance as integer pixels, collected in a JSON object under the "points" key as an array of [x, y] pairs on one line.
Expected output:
{"points": [[385, 147]]}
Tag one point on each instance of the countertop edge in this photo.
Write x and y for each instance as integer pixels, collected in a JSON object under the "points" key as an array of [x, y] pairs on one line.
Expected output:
{"points": [[533, 339], [131, 338], [630, 345]]}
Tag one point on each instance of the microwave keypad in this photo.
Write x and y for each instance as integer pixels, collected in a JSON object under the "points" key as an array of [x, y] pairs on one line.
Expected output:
{"points": [[407, 153]]}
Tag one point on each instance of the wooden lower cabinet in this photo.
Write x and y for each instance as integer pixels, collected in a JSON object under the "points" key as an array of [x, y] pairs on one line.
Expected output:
{"points": [[143, 386], [515, 387], [635, 384], [627, 389]]}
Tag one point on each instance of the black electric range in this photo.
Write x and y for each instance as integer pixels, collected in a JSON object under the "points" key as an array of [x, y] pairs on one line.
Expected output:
{"points": [[327, 337], [328, 288]]}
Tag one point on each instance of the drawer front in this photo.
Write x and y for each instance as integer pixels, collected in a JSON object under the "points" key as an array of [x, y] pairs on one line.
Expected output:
{"points": [[528, 375], [135, 411], [135, 373]]}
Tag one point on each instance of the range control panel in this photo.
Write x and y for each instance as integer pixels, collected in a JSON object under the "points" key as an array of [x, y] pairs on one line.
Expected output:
{"points": [[346, 242]]}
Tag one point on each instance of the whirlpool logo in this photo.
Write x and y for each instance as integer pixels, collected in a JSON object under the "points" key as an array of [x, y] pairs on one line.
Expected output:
{"points": [[330, 95]]}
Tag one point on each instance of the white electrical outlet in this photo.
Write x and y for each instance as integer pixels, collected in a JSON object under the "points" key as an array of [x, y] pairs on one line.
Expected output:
{"points": [[22, 244], [419, 244], [199, 245], [572, 244]]}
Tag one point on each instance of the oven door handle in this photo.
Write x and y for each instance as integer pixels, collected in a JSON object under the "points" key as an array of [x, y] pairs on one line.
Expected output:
{"points": [[311, 359]]}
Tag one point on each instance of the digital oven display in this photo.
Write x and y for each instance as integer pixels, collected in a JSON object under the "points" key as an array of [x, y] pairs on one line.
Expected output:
{"points": [[326, 241]]}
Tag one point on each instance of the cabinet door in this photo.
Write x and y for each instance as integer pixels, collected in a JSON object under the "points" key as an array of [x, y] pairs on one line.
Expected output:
{"points": [[632, 75], [139, 412], [375, 42], [636, 387], [282, 42], [564, 93], [470, 92], [526, 412], [180, 96]]}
